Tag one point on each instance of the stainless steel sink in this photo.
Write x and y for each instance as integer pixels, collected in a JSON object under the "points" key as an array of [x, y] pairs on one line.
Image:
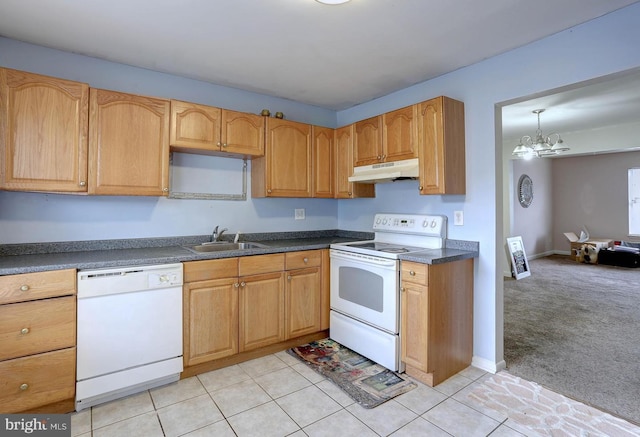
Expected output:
{"points": [[219, 246]]}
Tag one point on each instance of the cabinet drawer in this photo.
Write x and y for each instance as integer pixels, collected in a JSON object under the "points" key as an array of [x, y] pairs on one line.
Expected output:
{"points": [[32, 286], [32, 327], [258, 264], [300, 260], [414, 272], [210, 269], [37, 380]]}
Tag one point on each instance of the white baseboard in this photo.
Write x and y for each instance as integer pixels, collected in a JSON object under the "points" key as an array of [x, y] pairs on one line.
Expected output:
{"points": [[487, 365]]}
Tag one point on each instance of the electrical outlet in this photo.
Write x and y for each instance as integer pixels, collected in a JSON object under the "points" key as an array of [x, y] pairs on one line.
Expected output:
{"points": [[299, 214], [458, 218]]}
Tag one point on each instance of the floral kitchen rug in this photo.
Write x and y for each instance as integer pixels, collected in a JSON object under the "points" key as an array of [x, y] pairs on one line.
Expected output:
{"points": [[367, 383]]}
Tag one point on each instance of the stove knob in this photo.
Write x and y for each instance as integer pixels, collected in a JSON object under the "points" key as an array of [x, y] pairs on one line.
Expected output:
{"points": [[378, 221], [425, 223], [433, 223], [384, 221]]}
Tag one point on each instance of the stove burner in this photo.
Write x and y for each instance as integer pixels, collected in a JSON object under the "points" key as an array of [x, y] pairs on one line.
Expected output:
{"points": [[394, 250]]}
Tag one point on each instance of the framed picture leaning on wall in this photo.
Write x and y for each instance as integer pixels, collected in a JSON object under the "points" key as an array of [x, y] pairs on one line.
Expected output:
{"points": [[519, 263]]}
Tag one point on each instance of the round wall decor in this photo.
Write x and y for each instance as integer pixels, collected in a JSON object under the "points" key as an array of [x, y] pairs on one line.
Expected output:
{"points": [[525, 191]]}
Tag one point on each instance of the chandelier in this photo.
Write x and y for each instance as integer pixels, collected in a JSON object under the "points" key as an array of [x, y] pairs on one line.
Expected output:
{"points": [[539, 146]]}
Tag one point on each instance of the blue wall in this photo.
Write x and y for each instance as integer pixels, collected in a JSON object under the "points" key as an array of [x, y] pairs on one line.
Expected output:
{"points": [[597, 48]]}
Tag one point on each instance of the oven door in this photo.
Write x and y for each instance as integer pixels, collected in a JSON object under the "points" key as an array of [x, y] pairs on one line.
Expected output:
{"points": [[366, 288]]}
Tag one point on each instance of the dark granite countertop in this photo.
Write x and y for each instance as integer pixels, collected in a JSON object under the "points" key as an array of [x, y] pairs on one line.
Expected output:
{"points": [[36, 257]]}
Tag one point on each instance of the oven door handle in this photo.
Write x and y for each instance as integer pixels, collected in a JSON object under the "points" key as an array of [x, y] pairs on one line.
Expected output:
{"points": [[358, 257]]}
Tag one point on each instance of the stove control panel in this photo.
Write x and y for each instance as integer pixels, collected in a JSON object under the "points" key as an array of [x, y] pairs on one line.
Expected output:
{"points": [[431, 225]]}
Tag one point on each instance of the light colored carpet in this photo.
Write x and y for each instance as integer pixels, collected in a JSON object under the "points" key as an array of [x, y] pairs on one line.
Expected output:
{"points": [[575, 329]]}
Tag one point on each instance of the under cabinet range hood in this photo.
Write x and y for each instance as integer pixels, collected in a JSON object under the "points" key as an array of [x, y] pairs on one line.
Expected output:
{"points": [[386, 172]]}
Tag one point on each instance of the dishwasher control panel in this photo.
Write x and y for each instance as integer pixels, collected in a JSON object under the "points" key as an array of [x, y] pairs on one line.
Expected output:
{"points": [[164, 279], [102, 282]]}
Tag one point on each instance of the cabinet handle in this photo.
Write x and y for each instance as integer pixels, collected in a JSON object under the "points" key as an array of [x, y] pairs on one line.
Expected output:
{"points": [[242, 284], [219, 144], [224, 144], [289, 277], [165, 189], [384, 157], [420, 187], [83, 183], [24, 331], [379, 157], [305, 259], [412, 273], [268, 191], [403, 289], [23, 387], [350, 193], [24, 288], [236, 285]]}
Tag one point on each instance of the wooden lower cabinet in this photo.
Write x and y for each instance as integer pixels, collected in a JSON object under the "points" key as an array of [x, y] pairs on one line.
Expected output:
{"points": [[29, 328], [37, 380], [212, 331], [303, 297], [37, 342], [237, 309], [436, 319], [261, 310]]}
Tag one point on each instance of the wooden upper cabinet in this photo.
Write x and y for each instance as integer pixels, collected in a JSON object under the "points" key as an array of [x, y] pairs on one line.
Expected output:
{"points": [[242, 133], [285, 170], [367, 141], [128, 144], [400, 134], [43, 133], [194, 128], [208, 130], [441, 146], [388, 137], [344, 167], [323, 162]]}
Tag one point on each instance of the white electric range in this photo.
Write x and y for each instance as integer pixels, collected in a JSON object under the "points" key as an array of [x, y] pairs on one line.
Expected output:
{"points": [[365, 283]]}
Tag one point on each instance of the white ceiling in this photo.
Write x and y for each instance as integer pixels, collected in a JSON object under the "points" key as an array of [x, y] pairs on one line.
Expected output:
{"points": [[333, 57], [604, 102]]}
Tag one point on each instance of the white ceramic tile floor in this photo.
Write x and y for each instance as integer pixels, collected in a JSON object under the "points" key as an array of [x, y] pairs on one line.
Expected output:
{"points": [[278, 396]]}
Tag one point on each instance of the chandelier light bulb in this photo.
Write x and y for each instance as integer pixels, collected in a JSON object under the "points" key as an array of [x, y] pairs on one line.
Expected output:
{"points": [[539, 145]]}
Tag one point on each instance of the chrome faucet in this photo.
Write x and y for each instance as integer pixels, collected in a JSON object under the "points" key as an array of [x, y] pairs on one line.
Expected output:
{"points": [[215, 235]]}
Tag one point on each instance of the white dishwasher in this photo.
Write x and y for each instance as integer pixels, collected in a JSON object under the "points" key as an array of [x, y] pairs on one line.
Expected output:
{"points": [[129, 331]]}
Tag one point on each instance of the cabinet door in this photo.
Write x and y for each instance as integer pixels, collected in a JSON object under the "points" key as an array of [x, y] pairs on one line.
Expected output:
{"points": [[128, 144], [210, 320], [242, 133], [286, 168], [38, 326], [323, 162], [367, 143], [400, 134], [43, 133], [441, 146], [194, 128], [37, 380], [303, 300], [344, 167], [261, 310], [414, 321]]}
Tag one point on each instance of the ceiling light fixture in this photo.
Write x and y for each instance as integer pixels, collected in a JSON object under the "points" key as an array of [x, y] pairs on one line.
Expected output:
{"points": [[332, 2], [540, 145]]}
